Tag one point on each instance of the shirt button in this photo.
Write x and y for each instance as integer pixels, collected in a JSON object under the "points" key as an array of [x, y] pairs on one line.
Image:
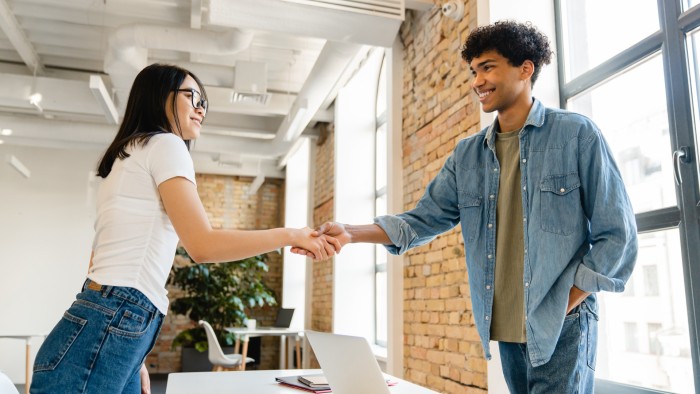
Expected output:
{"points": [[487, 317], [527, 284], [491, 197], [524, 187], [495, 169], [490, 225], [562, 190], [524, 219], [490, 256], [488, 287], [525, 251], [524, 160]]}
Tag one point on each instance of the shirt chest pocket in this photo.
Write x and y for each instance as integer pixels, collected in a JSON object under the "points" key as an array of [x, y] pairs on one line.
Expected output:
{"points": [[470, 213], [560, 203]]}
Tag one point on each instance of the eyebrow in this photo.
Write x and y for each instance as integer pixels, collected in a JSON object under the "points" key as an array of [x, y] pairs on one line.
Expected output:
{"points": [[483, 63]]}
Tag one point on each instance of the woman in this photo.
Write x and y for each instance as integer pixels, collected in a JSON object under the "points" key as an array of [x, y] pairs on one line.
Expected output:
{"points": [[146, 202]]}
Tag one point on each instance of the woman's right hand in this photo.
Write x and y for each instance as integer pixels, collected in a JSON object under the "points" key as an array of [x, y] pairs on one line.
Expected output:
{"points": [[320, 246]]}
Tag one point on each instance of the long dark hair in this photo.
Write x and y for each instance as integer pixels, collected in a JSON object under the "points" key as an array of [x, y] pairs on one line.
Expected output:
{"points": [[145, 114]]}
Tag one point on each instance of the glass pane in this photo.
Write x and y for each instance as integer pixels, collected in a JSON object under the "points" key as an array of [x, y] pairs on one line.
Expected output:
{"points": [[636, 128], [643, 335], [380, 165], [694, 60], [593, 32], [381, 90], [381, 308], [688, 4]]}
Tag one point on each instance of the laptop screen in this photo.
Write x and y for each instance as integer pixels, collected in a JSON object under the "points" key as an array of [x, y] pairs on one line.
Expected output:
{"points": [[284, 317]]}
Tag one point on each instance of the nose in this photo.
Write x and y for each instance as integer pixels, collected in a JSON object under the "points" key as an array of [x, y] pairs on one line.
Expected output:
{"points": [[201, 111], [478, 80]]}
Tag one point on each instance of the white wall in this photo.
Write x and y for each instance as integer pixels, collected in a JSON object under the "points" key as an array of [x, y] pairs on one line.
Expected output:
{"points": [[46, 230]]}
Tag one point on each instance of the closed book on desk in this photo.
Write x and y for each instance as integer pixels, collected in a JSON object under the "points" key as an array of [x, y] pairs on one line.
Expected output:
{"points": [[314, 380], [293, 381]]}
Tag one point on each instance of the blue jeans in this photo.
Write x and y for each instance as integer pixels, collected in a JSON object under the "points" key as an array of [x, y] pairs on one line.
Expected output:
{"points": [[572, 366], [99, 344]]}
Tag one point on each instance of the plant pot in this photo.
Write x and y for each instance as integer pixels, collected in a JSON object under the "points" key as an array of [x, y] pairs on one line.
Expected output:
{"points": [[195, 361]]}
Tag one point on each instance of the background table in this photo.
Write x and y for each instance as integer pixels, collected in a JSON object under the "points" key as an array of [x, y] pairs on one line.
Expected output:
{"points": [[245, 334], [258, 382], [27, 366]]}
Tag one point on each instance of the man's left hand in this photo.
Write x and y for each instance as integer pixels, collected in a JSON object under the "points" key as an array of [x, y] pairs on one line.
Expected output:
{"points": [[145, 380], [576, 296]]}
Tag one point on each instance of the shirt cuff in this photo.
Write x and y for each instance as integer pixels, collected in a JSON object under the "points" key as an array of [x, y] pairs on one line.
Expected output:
{"points": [[400, 233], [590, 281]]}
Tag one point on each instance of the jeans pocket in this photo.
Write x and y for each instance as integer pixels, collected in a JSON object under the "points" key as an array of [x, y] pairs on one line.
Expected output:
{"points": [[591, 340], [58, 342], [133, 321]]}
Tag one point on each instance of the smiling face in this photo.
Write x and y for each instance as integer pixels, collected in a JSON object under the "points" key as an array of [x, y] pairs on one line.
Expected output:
{"points": [[189, 118], [500, 85]]}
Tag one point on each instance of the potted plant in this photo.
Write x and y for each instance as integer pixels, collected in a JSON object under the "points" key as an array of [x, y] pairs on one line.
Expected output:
{"points": [[219, 293]]}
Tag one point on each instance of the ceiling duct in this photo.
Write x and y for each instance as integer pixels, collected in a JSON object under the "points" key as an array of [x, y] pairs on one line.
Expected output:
{"points": [[250, 83]]}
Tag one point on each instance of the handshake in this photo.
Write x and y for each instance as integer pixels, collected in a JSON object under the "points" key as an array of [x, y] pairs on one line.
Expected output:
{"points": [[321, 243]]}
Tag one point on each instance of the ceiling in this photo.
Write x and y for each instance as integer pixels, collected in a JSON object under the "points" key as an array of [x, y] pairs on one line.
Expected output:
{"points": [[82, 55]]}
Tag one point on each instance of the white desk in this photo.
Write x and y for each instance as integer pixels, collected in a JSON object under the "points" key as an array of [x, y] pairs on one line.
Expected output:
{"points": [[245, 334], [258, 382], [27, 341]]}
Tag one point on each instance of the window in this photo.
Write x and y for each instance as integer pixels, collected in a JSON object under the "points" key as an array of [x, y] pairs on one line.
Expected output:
{"points": [[654, 333], [631, 340], [380, 198], [638, 82], [651, 280]]}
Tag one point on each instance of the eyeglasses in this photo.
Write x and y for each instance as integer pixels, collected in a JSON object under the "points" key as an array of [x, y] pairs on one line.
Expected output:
{"points": [[196, 97]]}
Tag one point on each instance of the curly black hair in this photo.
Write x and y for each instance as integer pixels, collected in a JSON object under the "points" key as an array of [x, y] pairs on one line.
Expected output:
{"points": [[515, 41]]}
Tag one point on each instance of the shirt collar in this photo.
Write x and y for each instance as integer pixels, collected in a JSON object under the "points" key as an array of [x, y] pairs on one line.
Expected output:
{"points": [[534, 118]]}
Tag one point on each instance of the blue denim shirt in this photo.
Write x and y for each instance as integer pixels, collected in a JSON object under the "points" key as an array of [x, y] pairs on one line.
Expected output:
{"points": [[579, 226]]}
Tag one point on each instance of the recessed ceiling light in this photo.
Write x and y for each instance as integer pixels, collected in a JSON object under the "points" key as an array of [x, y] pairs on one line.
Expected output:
{"points": [[6, 132]]}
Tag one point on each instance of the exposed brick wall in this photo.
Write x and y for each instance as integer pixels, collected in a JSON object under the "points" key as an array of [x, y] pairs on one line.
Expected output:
{"points": [[322, 290], [442, 349], [227, 206]]}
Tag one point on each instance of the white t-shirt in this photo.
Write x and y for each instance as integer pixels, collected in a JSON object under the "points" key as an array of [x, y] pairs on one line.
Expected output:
{"points": [[135, 241]]}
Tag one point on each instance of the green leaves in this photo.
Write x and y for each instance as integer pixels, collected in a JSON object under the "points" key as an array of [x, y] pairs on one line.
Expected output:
{"points": [[220, 294]]}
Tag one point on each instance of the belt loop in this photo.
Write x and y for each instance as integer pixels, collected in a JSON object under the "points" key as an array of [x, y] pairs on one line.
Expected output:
{"points": [[106, 290]]}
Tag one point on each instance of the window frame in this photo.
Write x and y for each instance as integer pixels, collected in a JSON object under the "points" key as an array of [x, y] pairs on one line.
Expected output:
{"points": [[671, 40]]}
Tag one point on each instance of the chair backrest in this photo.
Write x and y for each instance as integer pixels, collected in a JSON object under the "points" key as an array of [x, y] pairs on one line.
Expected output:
{"points": [[216, 355], [6, 385]]}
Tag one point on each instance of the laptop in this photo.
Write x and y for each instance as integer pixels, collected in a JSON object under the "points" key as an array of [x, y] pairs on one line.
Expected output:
{"points": [[347, 363], [283, 320]]}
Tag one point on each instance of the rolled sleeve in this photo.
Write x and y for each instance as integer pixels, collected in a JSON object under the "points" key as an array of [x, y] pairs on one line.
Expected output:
{"points": [[399, 232]]}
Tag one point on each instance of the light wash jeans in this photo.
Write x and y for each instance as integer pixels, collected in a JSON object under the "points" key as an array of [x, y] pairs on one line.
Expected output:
{"points": [[99, 344], [572, 366]]}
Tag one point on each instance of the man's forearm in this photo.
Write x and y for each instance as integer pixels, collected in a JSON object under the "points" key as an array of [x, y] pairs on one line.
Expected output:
{"points": [[367, 233]]}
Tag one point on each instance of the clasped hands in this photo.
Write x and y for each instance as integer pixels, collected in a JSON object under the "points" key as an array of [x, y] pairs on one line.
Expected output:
{"points": [[323, 242]]}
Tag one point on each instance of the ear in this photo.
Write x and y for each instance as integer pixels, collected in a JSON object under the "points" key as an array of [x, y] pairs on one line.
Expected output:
{"points": [[527, 69]]}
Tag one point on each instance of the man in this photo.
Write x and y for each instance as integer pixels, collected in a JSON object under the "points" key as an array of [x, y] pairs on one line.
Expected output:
{"points": [[545, 218]]}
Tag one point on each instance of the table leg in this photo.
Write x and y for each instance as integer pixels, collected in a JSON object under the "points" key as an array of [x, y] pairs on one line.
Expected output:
{"points": [[244, 354], [26, 374], [237, 346], [298, 352]]}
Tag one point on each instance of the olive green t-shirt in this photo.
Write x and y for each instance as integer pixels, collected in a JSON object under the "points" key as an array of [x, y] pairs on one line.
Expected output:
{"points": [[508, 324]]}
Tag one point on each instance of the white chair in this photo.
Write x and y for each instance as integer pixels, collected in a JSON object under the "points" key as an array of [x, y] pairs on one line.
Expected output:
{"points": [[217, 357], [6, 385]]}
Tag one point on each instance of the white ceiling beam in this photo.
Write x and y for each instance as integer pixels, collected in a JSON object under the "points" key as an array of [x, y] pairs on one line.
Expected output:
{"points": [[10, 26], [332, 63], [103, 98]]}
